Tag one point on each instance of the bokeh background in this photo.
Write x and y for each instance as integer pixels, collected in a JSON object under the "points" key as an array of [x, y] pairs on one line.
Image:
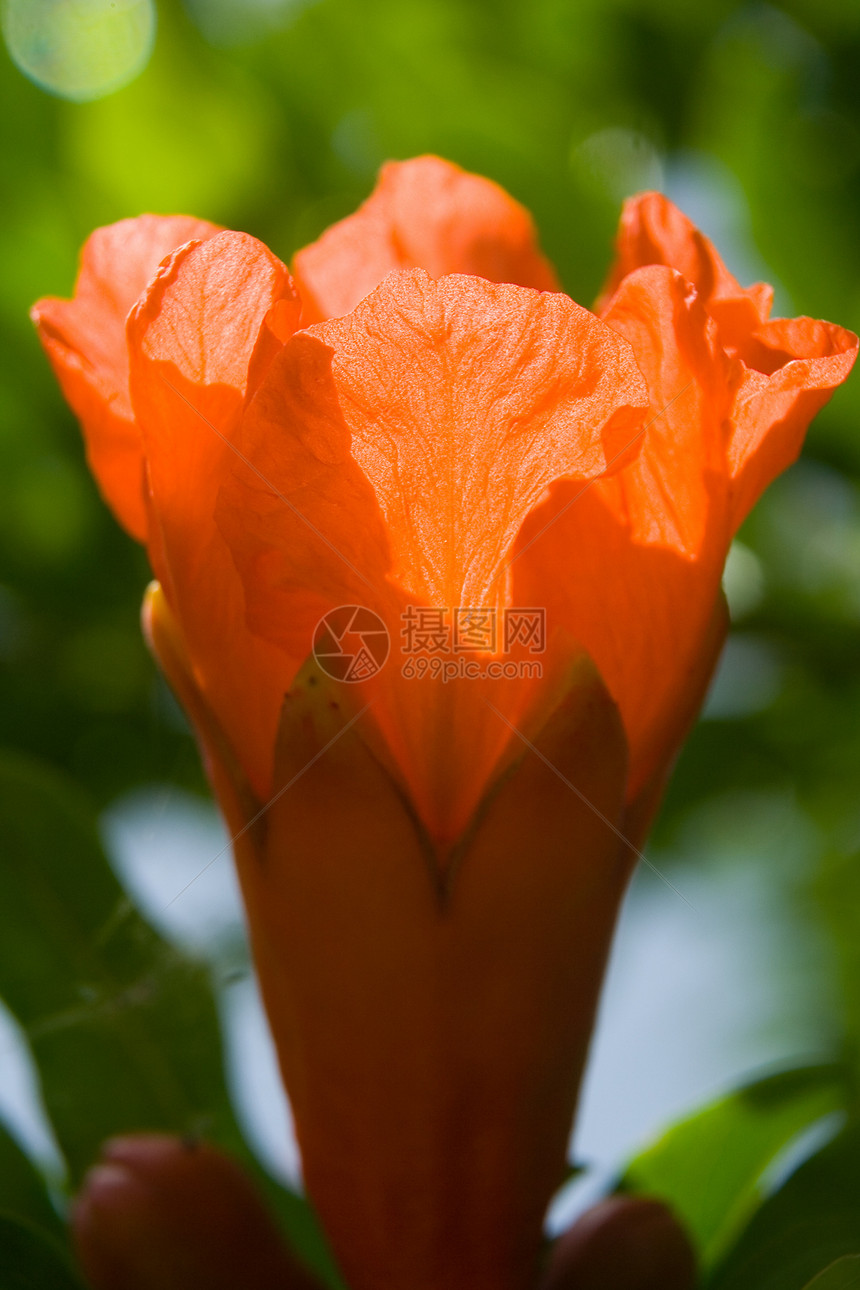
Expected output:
{"points": [[273, 116]]}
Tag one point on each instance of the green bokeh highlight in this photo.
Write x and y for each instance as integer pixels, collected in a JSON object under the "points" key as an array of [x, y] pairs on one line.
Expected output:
{"points": [[79, 49]]}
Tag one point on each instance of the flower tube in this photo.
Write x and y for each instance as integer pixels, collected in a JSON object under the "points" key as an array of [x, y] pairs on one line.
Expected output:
{"points": [[438, 558]]}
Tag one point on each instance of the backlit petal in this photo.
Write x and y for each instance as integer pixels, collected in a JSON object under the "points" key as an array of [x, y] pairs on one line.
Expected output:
{"points": [[786, 368], [191, 340], [428, 214], [654, 231], [396, 453], [464, 401], [85, 341], [631, 565], [791, 367]]}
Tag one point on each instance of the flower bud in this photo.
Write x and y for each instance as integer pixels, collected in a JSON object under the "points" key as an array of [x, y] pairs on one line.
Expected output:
{"points": [[163, 1213], [624, 1243]]}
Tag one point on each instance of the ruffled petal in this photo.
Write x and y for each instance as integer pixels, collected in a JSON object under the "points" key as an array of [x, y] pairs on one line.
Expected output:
{"points": [[429, 214], [85, 341], [631, 565], [790, 369], [395, 455], [654, 231], [665, 495], [301, 518], [191, 341], [786, 369]]}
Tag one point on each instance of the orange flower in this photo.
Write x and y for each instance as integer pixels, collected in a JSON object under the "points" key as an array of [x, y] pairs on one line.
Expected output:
{"points": [[420, 425]]}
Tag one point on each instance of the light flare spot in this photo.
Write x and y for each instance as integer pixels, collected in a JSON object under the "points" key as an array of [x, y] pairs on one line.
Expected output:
{"points": [[80, 49]]}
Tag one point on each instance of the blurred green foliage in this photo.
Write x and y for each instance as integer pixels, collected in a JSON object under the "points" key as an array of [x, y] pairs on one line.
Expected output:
{"points": [[844, 1274], [709, 1168], [122, 1025], [807, 1224], [30, 1260], [273, 118], [107, 1004]]}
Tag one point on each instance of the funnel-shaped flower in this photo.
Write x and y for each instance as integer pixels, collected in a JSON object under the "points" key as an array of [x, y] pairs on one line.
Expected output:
{"points": [[499, 521]]}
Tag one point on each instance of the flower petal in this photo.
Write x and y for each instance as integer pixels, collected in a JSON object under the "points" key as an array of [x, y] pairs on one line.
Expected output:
{"points": [[666, 494], [85, 341], [465, 400], [429, 214], [786, 368], [791, 369], [396, 452], [191, 341], [654, 231], [631, 566], [301, 519]]}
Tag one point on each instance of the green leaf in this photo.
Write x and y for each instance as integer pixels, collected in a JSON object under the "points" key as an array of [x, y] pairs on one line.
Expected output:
{"points": [[31, 1260], [844, 1274], [23, 1193], [122, 1026], [811, 1221], [709, 1167]]}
